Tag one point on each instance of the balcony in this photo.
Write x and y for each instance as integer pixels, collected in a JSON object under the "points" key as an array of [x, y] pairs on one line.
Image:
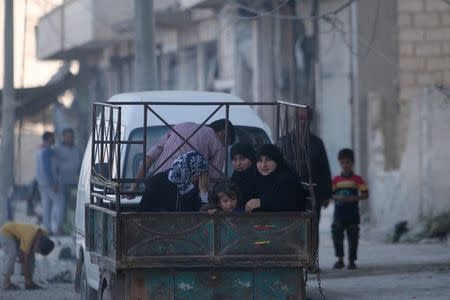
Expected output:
{"points": [[80, 26]]}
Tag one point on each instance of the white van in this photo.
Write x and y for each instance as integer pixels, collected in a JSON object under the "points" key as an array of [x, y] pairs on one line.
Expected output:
{"points": [[248, 126]]}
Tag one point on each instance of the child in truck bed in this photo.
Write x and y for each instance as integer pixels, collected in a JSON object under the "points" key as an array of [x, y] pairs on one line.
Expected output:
{"points": [[226, 198]]}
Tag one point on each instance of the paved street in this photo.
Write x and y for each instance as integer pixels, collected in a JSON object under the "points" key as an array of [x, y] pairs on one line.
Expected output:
{"points": [[53, 292], [386, 271], [401, 271], [418, 284]]}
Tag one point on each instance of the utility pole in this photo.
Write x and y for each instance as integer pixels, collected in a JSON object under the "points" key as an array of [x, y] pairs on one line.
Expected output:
{"points": [[316, 84], [8, 112], [145, 58]]}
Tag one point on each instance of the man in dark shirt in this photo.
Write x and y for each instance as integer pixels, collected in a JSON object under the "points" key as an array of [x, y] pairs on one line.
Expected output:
{"points": [[320, 173], [295, 151]]}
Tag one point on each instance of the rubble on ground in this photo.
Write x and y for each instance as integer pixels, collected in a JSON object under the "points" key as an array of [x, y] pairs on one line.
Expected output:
{"points": [[66, 254], [437, 227], [62, 277], [431, 230]]}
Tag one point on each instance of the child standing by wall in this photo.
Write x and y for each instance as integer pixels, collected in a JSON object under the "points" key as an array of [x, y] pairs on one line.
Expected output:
{"points": [[348, 189]]}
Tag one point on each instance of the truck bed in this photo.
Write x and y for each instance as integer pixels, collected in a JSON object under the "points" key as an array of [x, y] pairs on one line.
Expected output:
{"points": [[198, 240]]}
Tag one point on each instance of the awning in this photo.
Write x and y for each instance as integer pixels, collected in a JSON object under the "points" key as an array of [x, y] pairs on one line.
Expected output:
{"points": [[31, 101]]}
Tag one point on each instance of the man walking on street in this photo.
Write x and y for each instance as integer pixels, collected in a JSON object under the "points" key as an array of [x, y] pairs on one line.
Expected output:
{"points": [[320, 168], [294, 147], [309, 161], [47, 177], [69, 162]]}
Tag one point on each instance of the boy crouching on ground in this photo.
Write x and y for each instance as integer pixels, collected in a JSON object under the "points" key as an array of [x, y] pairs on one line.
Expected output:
{"points": [[20, 241], [348, 190]]}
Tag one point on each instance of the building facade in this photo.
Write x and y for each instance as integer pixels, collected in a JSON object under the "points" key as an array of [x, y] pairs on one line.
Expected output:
{"points": [[375, 58]]}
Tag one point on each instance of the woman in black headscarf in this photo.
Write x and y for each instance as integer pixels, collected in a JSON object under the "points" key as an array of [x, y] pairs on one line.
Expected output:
{"points": [[278, 187], [184, 187], [243, 159]]}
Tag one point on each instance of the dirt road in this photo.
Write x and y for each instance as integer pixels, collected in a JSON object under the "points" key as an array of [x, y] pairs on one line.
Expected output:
{"points": [[53, 292]]}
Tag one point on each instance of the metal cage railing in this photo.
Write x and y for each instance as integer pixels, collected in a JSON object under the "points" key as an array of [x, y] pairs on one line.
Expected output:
{"points": [[107, 182]]}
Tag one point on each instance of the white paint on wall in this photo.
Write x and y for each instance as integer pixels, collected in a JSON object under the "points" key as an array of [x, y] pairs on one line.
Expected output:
{"points": [[419, 188], [334, 110]]}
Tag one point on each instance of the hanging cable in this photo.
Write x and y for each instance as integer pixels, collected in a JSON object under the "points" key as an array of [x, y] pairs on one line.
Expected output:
{"points": [[289, 17], [259, 13]]}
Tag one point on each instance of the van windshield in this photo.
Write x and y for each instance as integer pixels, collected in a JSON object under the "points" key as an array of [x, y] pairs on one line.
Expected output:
{"points": [[244, 134]]}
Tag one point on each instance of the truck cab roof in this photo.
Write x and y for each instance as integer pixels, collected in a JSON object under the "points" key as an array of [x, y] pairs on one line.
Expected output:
{"points": [[168, 96], [239, 115]]}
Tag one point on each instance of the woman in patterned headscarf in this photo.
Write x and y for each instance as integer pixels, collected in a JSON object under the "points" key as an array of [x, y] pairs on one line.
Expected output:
{"points": [[184, 187]]}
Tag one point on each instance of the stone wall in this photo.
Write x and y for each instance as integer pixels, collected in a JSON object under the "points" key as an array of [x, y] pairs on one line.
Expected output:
{"points": [[424, 44], [414, 188], [419, 188], [377, 47], [423, 51]]}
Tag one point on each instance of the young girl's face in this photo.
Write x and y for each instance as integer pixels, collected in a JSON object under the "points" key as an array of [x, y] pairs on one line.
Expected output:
{"points": [[240, 163], [226, 203], [265, 165]]}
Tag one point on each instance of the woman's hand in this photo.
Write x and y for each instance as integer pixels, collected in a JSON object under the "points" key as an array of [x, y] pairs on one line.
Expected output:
{"points": [[203, 183], [212, 211], [352, 198], [346, 198], [338, 197], [132, 189], [252, 204]]}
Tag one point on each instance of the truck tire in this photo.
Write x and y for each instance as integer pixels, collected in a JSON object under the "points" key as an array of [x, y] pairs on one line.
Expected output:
{"points": [[106, 293], [112, 286], [86, 292]]}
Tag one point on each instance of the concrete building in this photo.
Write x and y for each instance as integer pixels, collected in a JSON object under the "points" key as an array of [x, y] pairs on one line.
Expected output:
{"points": [[375, 58], [35, 89], [407, 135]]}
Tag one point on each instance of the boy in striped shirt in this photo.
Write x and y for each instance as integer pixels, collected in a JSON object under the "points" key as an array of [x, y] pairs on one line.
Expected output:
{"points": [[348, 189]]}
